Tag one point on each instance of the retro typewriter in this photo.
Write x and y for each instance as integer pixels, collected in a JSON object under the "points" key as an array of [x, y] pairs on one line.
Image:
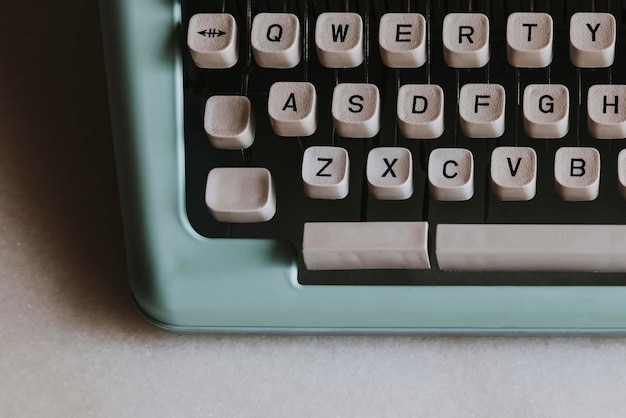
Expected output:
{"points": [[372, 166]]}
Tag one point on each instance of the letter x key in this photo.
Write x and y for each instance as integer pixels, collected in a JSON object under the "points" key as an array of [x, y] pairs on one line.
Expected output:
{"points": [[390, 173]]}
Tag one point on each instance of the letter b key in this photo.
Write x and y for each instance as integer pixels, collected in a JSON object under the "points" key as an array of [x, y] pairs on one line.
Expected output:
{"points": [[577, 173]]}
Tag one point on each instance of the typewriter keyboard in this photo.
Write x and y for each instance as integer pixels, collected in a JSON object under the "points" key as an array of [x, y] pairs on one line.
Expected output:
{"points": [[412, 142]]}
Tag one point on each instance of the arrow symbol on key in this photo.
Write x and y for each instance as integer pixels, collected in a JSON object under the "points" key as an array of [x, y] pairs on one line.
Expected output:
{"points": [[212, 33]]}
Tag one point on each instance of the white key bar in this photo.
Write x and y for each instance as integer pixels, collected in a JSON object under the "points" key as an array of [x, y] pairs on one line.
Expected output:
{"points": [[531, 247], [365, 245]]}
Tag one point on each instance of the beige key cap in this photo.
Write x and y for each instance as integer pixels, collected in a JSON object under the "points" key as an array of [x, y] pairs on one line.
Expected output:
{"points": [[529, 40], [402, 40], [292, 108], [420, 111], [339, 40], [356, 110], [606, 111], [577, 173], [621, 173], [451, 174], [466, 40], [529, 247], [514, 173], [592, 39], [389, 173], [365, 245], [240, 194], [325, 172], [229, 122], [212, 40], [481, 110], [276, 40], [546, 110]]}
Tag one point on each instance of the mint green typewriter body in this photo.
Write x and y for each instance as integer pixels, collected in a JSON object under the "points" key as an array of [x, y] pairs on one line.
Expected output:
{"points": [[183, 280]]}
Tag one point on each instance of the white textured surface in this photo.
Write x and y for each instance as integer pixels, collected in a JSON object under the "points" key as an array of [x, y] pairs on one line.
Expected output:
{"points": [[402, 40], [577, 173], [529, 40], [451, 174], [356, 110], [481, 110], [326, 172], [229, 122], [72, 344], [514, 173], [275, 40], [546, 110], [606, 111], [531, 247], [240, 194], [292, 108], [420, 111], [212, 40], [592, 39], [339, 40], [365, 245], [389, 172], [466, 40]]}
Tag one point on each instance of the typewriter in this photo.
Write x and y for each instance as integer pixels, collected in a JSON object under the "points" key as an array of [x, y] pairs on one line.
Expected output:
{"points": [[372, 166]]}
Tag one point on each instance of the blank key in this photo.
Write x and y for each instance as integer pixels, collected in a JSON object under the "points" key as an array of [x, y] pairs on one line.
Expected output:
{"points": [[592, 39], [483, 247], [339, 40], [292, 108], [356, 110], [365, 245], [240, 194], [529, 40], [466, 40], [229, 122], [481, 110], [546, 111], [606, 111], [577, 173]]}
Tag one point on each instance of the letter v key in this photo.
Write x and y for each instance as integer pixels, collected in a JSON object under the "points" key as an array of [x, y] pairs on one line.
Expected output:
{"points": [[514, 173]]}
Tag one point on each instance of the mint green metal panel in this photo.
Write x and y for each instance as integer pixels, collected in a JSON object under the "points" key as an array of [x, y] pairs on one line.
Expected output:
{"points": [[184, 281]]}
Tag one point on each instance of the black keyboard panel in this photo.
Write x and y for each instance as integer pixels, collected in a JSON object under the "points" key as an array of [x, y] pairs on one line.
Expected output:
{"points": [[283, 156]]}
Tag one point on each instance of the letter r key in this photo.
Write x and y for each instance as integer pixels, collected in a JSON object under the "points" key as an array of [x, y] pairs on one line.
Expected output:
{"points": [[466, 40]]}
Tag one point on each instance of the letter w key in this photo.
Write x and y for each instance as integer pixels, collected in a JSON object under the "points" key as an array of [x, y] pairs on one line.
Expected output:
{"points": [[339, 40]]}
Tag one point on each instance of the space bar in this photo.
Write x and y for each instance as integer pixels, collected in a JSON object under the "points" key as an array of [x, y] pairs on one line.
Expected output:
{"points": [[531, 247], [365, 245]]}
